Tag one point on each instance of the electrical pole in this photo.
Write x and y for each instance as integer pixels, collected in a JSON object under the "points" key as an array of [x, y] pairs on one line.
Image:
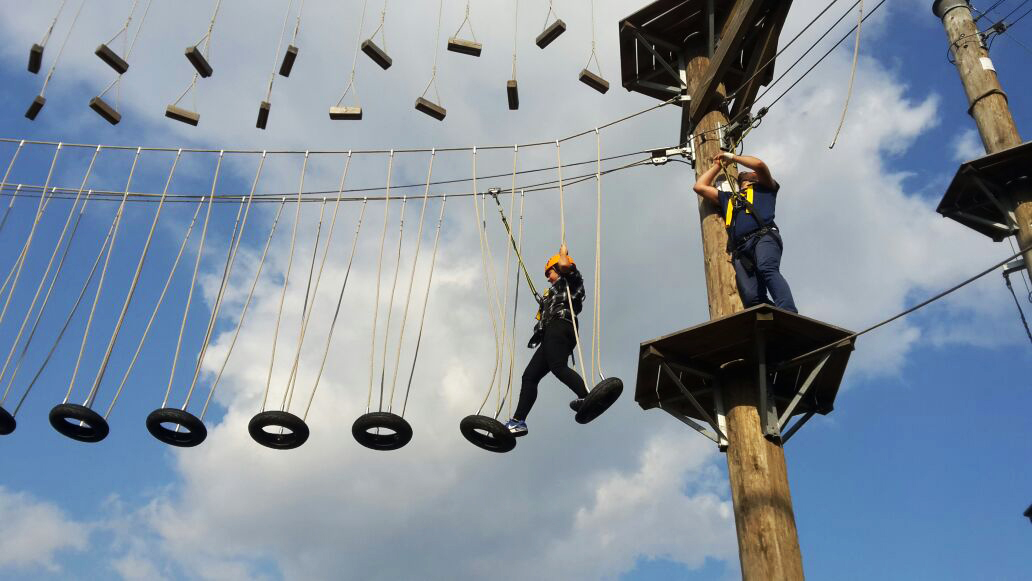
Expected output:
{"points": [[987, 102], [768, 543]]}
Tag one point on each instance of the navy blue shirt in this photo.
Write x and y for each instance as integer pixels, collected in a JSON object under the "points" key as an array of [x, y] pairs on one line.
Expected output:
{"points": [[744, 223]]}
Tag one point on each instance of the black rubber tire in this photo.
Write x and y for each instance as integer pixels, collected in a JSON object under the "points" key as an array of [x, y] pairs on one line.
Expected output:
{"points": [[294, 438], [95, 427], [401, 431], [195, 431], [7, 422], [498, 439], [599, 399]]}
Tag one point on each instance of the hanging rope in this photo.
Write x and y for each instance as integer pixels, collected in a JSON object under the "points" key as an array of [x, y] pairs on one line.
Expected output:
{"points": [[206, 39], [551, 12], [852, 75], [594, 54], [412, 280], [3, 183], [127, 48], [100, 284], [515, 310], [354, 61], [60, 51], [279, 47], [53, 23], [562, 208], [596, 325], [286, 280], [437, 50], [515, 35], [382, 28], [465, 21], [336, 312], [379, 270], [390, 302], [490, 288], [247, 304]]}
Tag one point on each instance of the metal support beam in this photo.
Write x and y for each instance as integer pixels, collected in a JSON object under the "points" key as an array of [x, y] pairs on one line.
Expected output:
{"points": [[801, 393], [648, 42], [699, 428], [718, 404], [744, 15], [795, 427], [691, 398], [767, 408]]}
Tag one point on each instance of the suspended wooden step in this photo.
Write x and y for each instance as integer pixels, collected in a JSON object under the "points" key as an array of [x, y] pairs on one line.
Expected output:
{"points": [[551, 33], [200, 64], [463, 46], [430, 108], [263, 114], [106, 111], [594, 81], [182, 115], [512, 92], [35, 107], [35, 58], [112, 59], [346, 113], [288, 61], [377, 54]]}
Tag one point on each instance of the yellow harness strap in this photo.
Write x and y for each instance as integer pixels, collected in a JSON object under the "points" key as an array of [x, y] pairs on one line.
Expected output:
{"points": [[729, 215]]}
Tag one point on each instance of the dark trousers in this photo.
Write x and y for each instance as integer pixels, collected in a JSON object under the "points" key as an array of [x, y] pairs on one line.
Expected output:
{"points": [[556, 347], [763, 275]]}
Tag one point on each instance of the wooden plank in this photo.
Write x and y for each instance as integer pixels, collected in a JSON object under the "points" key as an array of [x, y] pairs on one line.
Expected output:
{"points": [[742, 17], [765, 50]]}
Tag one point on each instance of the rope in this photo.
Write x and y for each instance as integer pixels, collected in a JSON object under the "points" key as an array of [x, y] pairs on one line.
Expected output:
{"points": [[551, 12], [379, 270], [596, 324], [322, 265], [139, 28], [53, 23], [1017, 303], [336, 312], [211, 26], [157, 307], [464, 22], [60, 51], [22, 253], [354, 61], [3, 183], [100, 284], [247, 303], [286, 280], [279, 46], [515, 310], [422, 316], [132, 286], [515, 36], [594, 55], [490, 288], [297, 24], [576, 335], [390, 304], [852, 75], [562, 208], [437, 50], [412, 280], [381, 27]]}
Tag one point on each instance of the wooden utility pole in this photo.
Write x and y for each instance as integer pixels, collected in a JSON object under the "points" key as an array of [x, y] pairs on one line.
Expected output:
{"points": [[987, 102]]}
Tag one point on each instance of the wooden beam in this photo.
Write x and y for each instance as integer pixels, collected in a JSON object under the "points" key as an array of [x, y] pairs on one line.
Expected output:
{"points": [[766, 48], [742, 17]]}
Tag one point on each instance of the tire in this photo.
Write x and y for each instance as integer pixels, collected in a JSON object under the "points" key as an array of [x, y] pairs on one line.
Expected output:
{"points": [[195, 431], [7, 422], [487, 433], [294, 438], [93, 427], [400, 431], [601, 397]]}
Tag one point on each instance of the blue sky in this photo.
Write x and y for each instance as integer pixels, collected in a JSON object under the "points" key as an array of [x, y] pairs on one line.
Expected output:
{"points": [[920, 472]]}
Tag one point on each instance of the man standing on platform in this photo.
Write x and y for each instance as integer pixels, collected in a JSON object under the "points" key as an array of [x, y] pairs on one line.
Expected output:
{"points": [[753, 239]]}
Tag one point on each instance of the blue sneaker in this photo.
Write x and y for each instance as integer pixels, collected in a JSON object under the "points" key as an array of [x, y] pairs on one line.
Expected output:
{"points": [[516, 427]]}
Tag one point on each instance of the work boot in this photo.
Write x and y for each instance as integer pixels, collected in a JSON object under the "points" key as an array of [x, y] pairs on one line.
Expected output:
{"points": [[577, 404], [516, 427]]}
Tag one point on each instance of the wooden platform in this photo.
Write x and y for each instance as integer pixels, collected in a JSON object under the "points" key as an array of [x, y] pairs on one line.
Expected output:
{"points": [[701, 355], [977, 197]]}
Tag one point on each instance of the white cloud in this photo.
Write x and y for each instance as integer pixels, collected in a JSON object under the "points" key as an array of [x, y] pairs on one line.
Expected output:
{"points": [[967, 146], [35, 531]]}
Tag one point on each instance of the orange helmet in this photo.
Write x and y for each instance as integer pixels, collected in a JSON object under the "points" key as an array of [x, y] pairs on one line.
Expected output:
{"points": [[554, 261]]}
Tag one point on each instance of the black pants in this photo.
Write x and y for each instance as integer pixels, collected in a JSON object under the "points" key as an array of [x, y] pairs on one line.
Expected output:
{"points": [[556, 347]]}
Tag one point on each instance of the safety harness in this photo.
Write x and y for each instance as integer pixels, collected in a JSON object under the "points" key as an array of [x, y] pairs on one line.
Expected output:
{"points": [[740, 251]]}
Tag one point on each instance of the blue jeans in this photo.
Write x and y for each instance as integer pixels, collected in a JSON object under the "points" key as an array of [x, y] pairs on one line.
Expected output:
{"points": [[764, 274]]}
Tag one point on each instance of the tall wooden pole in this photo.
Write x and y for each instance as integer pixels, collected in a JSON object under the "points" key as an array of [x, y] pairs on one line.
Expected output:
{"points": [[987, 102], [768, 543]]}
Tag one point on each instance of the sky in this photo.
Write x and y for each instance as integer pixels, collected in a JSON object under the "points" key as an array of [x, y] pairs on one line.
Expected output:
{"points": [[919, 473]]}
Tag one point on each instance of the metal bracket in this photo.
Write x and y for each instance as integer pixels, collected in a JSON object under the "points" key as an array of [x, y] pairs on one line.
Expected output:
{"points": [[767, 406], [801, 393], [647, 41], [666, 368]]}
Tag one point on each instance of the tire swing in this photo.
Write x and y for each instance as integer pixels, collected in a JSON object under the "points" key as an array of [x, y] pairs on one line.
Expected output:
{"points": [[198, 58], [292, 431], [7, 419], [483, 431], [176, 426], [285, 66], [36, 59], [341, 112], [118, 63], [424, 105], [380, 429], [80, 422], [608, 390]]}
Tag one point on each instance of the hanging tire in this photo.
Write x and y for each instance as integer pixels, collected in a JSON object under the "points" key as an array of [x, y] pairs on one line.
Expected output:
{"points": [[599, 399], [7, 422], [382, 431], [295, 434], [487, 433], [78, 422], [195, 431]]}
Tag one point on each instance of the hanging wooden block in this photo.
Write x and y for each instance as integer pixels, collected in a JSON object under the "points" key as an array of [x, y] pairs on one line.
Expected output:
{"points": [[106, 111], [594, 81], [193, 54], [35, 58], [463, 46], [113, 60], [345, 113], [288, 61], [376, 53], [513, 93], [188, 117], [263, 114], [551, 33], [430, 108], [35, 107]]}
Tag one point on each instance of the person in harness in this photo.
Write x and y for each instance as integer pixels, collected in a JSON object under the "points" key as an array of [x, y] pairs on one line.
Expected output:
{"points": [[753, 239], [554, 338]]}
